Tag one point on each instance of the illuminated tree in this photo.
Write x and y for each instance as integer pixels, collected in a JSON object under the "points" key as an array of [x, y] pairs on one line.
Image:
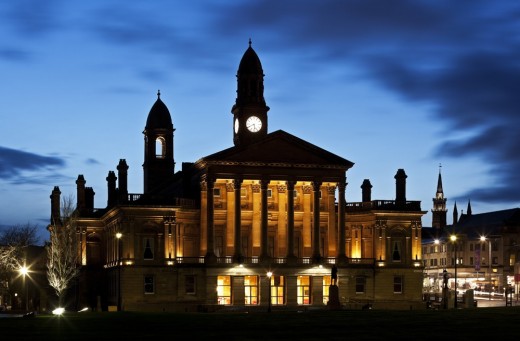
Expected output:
{"points": [[62, 251], [13, 242]]}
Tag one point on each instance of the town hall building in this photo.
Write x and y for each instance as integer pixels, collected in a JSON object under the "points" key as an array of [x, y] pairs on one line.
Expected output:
{"points": [[256, 226]]}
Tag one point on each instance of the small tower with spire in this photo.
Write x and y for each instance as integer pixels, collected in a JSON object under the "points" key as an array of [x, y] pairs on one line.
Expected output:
{"points": [[250, 110], [158, 163], [439, 210]]}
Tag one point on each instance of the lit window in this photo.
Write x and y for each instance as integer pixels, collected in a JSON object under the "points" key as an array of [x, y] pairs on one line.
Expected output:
{"points": [[277, 290], [269, 193], [251, 290], [189, 284], [398, 284], [360, 285], [303, 288], [149, 287], [160, 148], [224, 290], [216, 192], [326, 284]]}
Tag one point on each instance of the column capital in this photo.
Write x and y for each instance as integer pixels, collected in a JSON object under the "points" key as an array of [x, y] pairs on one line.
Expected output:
{"points": [[281, 188]]}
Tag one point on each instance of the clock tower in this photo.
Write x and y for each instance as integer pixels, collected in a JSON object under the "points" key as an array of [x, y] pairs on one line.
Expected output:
{"points": [[249, 111]]}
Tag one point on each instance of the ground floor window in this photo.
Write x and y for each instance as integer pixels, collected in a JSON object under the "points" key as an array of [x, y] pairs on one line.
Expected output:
{"points": [[398, 284], [189, 284], [277, 290], [360, 285], [303, 289], [326, 284], [224, 289], [251, 290], [149, 286]]}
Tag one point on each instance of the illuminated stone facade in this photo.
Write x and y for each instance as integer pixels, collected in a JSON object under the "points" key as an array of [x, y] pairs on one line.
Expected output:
{"points": [[206, 237]]}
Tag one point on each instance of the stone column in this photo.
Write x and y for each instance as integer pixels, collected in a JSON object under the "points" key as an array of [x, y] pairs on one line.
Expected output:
{"points": [[210, 247], [264, 256], [291, 257], [237, 257], [316, 256], [342, 258]]}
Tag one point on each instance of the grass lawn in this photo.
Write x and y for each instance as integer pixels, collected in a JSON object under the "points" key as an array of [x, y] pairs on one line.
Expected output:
{"points": [[474, 324]]}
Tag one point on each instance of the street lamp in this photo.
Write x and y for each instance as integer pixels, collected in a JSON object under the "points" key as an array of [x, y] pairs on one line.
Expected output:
{"points": [[483, 239], [269, 274], [453, 239], [23, 271], [118, 236]]}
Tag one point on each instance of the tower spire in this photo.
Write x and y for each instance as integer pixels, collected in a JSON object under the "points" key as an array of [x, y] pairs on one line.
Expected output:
{"points": [[439, 205], [455, 214]]}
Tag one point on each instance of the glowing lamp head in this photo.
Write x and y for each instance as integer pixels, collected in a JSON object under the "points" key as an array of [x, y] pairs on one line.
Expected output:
{"points": [[482, 238], [453, 238], [269, 274], [119, 235], [58, 311], [24, 270]]}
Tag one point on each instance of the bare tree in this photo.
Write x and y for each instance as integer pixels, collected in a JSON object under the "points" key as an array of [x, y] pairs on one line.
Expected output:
{"points": [[13, 242], [62, 251], [19, 235]]}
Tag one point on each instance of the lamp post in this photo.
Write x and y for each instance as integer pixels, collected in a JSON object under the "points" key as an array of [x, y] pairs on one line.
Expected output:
{"points": [[269, 274], [453, 239], [23, 271], [118, 236], [483, 239]]}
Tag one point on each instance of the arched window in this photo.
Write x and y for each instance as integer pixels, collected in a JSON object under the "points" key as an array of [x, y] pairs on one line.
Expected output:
{"points": [[160, 148]]}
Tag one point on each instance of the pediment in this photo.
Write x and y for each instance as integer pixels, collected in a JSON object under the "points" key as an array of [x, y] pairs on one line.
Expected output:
{"points": [[278, 148]]}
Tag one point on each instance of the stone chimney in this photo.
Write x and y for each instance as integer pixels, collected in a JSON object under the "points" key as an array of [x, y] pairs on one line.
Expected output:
{"points": [[112, 192], [400, 186], [366, 191], [122, 175], [55, 206], [80, 188], [89, 199]]}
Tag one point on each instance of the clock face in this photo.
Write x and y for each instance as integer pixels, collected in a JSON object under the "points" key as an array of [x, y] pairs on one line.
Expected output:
{"points": [[253, 124], [236, 125]]}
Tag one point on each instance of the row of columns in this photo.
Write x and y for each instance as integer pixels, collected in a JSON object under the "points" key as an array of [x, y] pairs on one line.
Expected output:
{"points": [[264, 255]]}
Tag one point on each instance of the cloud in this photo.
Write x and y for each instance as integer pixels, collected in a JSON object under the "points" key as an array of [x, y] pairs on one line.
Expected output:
{"points": [[14, 54], [461, 58], [91, 161], [14, 163], [33, 18]]}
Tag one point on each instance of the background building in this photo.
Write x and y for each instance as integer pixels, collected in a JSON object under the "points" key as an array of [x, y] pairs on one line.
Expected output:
{"points": [[483, 252], [256, 225]]}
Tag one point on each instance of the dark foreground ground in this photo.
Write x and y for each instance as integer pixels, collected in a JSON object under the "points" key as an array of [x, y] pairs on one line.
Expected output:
{"points": [[469, 324]]}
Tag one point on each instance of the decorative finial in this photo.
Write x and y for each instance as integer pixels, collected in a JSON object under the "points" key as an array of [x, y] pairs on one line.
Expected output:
{"points": [[158, 93], [249, 42], [440, 166]]}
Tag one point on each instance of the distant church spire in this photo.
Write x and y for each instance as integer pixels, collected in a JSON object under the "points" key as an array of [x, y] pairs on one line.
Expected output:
{"points": [[455, 214], [439, 205], [468, 211]]}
